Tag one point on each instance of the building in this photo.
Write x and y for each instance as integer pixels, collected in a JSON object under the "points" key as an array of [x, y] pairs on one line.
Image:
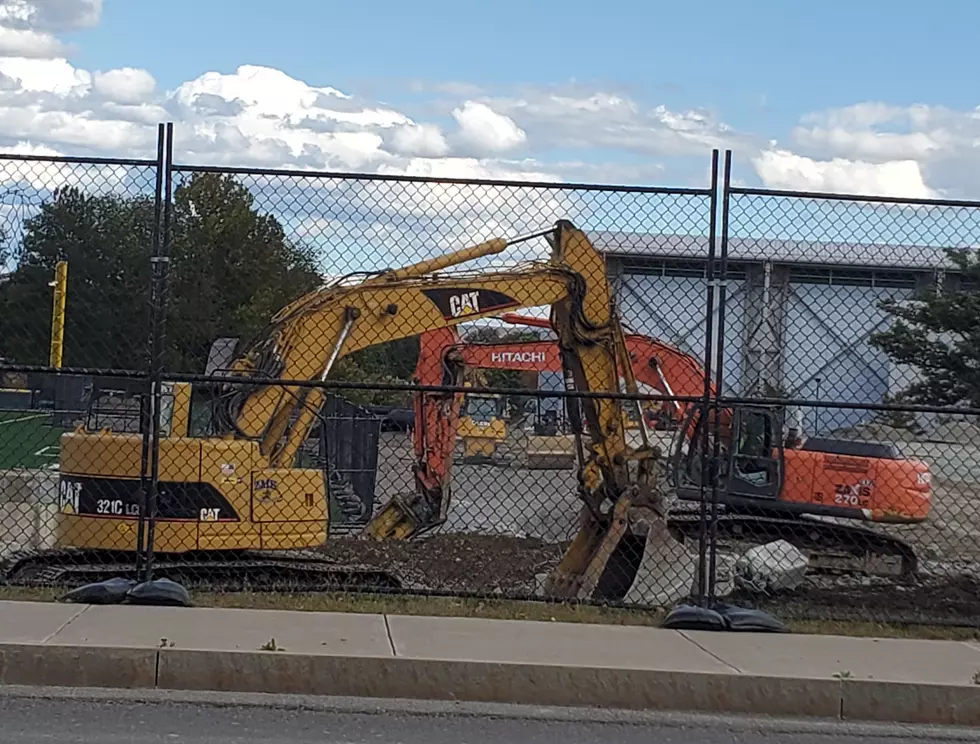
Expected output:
{"points": [[798, 314]]}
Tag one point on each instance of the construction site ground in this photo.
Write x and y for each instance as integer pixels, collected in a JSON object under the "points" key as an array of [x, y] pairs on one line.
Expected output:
{"points": [[508, 526], [495, 661]]}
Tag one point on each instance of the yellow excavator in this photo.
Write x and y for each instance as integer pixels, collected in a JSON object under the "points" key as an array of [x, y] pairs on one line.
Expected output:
{"points": [[234, 503], [481, 424]]}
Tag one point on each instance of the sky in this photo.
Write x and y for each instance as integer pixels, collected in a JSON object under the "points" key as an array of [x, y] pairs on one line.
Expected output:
{"points": [[867, 97]]}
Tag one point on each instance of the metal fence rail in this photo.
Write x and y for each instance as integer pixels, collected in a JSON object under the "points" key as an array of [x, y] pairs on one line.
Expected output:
{"points": [[831, 479]]}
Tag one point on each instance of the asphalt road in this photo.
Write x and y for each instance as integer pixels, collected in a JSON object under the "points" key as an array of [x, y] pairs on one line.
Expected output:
{"points": [[168, 719]]}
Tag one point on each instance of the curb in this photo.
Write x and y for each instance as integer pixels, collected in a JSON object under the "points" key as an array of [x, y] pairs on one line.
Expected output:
{"points": [[486, 682]]}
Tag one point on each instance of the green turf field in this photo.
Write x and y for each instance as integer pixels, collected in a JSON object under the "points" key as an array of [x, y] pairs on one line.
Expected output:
{"points": [[27, 440]]}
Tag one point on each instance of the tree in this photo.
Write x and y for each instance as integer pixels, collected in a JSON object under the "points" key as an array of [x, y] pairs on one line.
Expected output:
{"points": [[392, 362], [6, 250], [232, 268], [105, 241], [938, 334]]}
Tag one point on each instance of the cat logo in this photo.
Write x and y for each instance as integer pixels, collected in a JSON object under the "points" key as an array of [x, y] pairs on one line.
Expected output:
{"points": [[467, 303], [209, 515], [462, 302], [68, 493]]}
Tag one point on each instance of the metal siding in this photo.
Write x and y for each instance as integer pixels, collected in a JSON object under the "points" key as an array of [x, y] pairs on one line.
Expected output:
{"points": [[827, 354], [551, 381], [673, 309]]}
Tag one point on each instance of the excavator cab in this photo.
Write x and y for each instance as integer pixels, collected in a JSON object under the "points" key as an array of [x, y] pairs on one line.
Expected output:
{"points": [[481, 425], [750, 463]]}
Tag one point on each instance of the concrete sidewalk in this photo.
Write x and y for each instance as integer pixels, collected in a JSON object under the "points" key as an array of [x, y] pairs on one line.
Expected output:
{"points": [[506, 661]]}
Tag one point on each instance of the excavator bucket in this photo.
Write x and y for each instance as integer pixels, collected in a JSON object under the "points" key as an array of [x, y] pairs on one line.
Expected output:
{"points": [[633, 558]]}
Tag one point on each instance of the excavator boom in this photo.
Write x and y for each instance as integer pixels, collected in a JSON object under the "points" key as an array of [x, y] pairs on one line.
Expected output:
{"points": [[240, 488]]}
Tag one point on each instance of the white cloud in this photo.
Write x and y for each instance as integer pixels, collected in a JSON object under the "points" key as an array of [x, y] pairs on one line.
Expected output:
{"points": [[56, 76], [576, 118], [28, 27], [486, 131], [879, 147], [780, 169], [15, 42], [50, 15], [925, 149], [125, 85], [464, 214], [260, 116], [421, 140]]}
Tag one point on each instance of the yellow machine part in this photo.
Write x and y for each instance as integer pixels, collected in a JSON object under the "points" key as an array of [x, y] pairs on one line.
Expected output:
{"points": [[213, 494], [481, 439]]}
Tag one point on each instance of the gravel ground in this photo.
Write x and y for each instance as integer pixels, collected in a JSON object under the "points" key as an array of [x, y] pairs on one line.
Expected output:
{"points": [[491, 499], [507, 524]]}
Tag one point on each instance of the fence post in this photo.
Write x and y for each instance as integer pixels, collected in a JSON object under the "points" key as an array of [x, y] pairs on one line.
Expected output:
{"points": [[719, 380], [159, 264], [706, 395]]}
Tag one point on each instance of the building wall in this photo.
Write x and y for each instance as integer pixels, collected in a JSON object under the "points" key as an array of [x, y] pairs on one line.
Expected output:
{"points": [[798, 329], [670, 303]]}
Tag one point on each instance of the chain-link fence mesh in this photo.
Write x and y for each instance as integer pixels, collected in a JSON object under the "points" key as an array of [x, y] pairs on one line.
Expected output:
{"points": [[76, 237], [94, 220], [859, 316], [327, 421]]}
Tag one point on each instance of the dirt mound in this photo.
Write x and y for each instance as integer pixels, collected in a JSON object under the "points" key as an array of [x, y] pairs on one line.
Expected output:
{"points": [[467, 564]]}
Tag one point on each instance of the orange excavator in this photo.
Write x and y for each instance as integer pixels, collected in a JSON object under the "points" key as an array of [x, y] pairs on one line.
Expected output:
{"points": [[777, 489], [659, 369]]}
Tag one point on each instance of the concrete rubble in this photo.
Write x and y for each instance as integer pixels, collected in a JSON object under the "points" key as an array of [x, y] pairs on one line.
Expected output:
{"points": [[773, 567]]}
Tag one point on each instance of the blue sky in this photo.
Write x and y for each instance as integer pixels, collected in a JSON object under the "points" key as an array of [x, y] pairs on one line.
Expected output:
{"points": [[762, 63], [860, 97], [869, 97]]}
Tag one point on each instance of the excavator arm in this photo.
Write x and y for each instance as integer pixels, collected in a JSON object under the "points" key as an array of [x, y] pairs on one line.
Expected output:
{"points": [[274, 405], [308, 343], [593, 356]]}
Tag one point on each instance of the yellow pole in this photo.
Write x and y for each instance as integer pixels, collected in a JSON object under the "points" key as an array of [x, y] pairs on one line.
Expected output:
{"points": [[58, 314]]}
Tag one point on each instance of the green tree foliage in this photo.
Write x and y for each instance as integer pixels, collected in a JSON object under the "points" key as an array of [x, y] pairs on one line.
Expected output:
{"points": [[939, 335], [232, 268], [392, 362], [105, 240], [6, 249]]}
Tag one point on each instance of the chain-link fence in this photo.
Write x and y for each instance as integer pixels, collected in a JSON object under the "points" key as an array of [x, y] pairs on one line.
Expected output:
{"points": [[278, 380], [856, 319], [77, 238]]}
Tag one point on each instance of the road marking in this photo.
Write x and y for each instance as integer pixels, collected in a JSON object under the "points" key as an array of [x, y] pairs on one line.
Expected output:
{"points": [[43, 450], [23, 418]]}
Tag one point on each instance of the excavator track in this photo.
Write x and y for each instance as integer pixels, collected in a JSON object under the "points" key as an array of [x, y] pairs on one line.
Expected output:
{"points": [[832, 547], [297, 571]]}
